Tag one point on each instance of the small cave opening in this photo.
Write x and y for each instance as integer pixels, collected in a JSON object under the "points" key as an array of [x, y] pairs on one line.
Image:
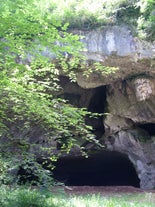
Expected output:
{"points": [[102, 169], [149, 128], [98, 101], [98, 105]]}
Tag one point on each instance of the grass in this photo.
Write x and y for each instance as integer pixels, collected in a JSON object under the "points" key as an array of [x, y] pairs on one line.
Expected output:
{"points": [[115, 201], [26, 197]]}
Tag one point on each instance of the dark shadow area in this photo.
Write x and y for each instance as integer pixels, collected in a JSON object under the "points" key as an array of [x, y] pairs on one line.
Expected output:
{"points": [[26, 175], [103, 169], [92, 99], [149, 128], [98, 100], [73, 93], [98, 105]]}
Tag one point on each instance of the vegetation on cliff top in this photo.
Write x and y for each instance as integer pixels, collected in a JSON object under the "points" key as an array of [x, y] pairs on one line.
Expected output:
{"points": [[89, 14]]}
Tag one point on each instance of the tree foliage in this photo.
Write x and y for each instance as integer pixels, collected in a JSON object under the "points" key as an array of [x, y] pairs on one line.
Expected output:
{"points": [[146, 21], [89, 14], [32, 42]]}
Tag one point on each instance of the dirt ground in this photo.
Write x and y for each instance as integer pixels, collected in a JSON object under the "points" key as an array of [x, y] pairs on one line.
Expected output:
{"points": [[104, 190]]}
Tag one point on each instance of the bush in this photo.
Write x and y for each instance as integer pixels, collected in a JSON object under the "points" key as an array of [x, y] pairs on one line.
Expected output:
{"points": [[89, 14], [22, 197], [146, 22], [27, 198]]}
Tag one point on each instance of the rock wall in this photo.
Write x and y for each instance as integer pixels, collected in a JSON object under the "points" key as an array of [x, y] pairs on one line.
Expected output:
{"points": [[129, 124], [115, 40], [126, 96], [130, 104], [130, 95], [116, 46]]}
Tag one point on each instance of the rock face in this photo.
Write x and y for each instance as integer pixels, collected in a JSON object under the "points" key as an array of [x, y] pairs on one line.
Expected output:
{"points": [[116, 46], [127, 96], [130, 104], [133, 99], [129, 125], [130, 95], [115, 40], [140, 154]]}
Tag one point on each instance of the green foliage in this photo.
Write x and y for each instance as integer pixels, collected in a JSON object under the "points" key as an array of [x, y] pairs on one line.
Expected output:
{"points": [[22, 197], [127, 12], [29, 81], [146, 22], [98, 67], [89, 14], [86, 14], [4, 166]]}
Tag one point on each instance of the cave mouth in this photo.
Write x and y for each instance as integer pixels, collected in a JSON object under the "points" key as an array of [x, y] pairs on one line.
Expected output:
{"points": [[148, 127], [102, 169], [98, 104]]}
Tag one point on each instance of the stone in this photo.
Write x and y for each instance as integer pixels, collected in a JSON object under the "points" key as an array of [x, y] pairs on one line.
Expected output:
{"points": [[130, 95], [115, 46], [144, 88], [126, 143], [114, 123], [136, 99], [129, 104]]}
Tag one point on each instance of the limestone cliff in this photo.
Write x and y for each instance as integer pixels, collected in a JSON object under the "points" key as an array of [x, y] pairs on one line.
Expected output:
{"points": [[125, 97], [116, 46], [129, 126]]}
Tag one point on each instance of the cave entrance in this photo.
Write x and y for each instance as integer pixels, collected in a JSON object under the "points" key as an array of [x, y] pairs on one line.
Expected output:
{"points": [[97, 104], [149, 128], [103, 169]]}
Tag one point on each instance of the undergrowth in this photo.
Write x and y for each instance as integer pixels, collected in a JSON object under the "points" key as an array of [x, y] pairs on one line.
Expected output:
{"points": [[27, 197]]}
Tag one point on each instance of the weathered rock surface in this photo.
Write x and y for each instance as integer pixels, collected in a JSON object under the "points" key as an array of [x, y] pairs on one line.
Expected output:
{"points": [[133, 99], [129, 105], [132, 102], [116, 46], [141, 154], [115, 40], [130, 95]]}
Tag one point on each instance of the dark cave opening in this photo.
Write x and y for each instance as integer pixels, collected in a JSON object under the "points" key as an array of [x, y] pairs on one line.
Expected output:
{"points": [[149, 128], [103, 169], [98, 105], [98, 100]]}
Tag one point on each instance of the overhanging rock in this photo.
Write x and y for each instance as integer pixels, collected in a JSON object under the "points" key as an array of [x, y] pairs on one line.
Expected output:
{"points": [[115, 46]]}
